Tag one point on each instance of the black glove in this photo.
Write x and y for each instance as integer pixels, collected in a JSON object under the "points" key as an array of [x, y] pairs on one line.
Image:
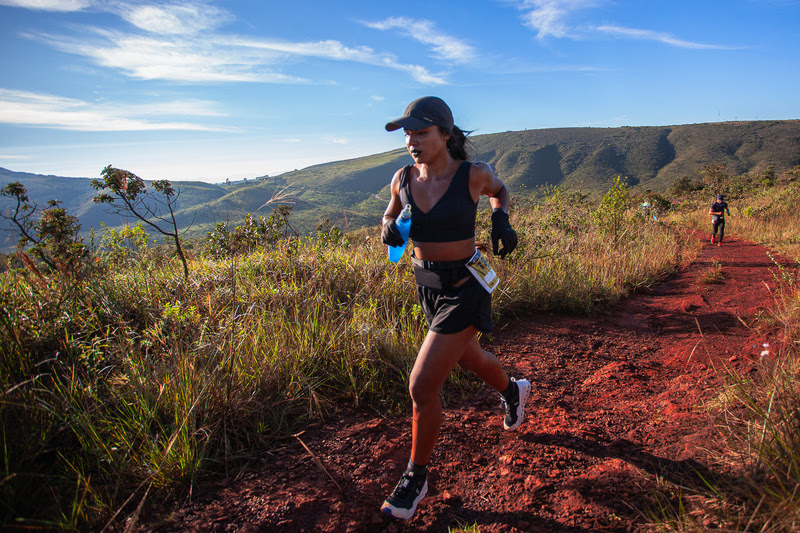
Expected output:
{"points": [[502, 231], [390, 234]]}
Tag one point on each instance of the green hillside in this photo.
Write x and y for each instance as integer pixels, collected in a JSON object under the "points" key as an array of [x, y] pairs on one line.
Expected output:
{"points": [[652, 157], [353, 193]]}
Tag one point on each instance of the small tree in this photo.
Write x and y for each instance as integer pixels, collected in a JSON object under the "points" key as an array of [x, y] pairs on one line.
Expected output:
{"points": [[53, 235], [128, 195], [610, 214], [715, 179]]}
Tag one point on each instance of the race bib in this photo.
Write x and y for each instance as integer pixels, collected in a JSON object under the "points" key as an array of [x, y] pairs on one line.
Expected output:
{"points": [[479, 266]]}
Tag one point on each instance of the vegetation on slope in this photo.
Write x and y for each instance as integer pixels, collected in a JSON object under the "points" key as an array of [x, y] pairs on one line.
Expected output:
{"points": [[588, 159], [123, 379]]}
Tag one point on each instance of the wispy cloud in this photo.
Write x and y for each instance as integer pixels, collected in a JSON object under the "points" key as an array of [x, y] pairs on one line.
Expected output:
{"points": [[649, 35], [173, 19], [554, 18], [444, 46], [334, 51], [550, 18], [44, 110], [181, 43], [48, 5], [174, 58]]}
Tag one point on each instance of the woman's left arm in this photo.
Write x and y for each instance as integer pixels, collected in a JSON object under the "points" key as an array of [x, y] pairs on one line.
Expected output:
{"points": [[487, 183], [484, 182]]}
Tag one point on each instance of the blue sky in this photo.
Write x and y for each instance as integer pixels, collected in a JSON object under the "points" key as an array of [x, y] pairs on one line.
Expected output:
{"points": [[242, 88]]}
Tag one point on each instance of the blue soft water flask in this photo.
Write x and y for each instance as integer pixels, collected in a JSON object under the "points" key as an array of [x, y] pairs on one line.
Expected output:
{"points": [[404, 225]]}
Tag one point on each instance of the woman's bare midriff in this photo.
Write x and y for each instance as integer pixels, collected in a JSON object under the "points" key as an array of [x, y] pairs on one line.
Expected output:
{"points": [[445, 251]]}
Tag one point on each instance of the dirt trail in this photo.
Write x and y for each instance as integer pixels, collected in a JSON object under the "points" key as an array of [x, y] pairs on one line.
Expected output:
{"points": [[616, 401]]}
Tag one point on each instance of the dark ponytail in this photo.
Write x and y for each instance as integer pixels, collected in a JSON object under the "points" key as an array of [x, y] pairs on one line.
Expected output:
{"points": [[459, 147]]}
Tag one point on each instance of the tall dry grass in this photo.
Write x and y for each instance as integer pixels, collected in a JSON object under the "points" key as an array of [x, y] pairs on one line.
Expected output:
{"points": [[755, 483], [126, 386]]}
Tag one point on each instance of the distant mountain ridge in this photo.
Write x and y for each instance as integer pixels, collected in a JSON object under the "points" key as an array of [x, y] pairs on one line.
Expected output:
{"points": [[651, 156], [353, 193]]}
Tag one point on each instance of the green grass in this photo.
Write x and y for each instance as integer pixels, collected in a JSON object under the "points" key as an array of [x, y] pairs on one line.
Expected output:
{"points": [[131, 382]]}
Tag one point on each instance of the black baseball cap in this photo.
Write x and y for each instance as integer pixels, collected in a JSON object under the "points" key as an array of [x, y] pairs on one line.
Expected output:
{"points": [[423, 113]]}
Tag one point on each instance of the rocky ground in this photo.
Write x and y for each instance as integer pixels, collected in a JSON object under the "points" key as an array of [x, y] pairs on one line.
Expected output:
{"points": [[617, 406]]}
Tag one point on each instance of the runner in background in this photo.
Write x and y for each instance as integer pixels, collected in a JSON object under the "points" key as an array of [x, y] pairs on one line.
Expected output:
{"points": [[717, 212], [443, 189]]}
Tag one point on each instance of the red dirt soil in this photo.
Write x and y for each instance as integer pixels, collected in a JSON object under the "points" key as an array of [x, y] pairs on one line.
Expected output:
{"points": [[616, 404]]}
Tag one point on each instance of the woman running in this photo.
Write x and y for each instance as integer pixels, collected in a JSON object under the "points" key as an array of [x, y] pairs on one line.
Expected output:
{"points": [[443, 189]]}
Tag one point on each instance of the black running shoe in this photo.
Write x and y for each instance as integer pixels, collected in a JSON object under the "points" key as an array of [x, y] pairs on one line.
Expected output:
{"points": [[402, 502], [515, 409]]}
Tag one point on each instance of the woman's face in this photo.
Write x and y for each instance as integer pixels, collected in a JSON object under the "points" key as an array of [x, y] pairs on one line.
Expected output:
{"points": [[426, 145]]}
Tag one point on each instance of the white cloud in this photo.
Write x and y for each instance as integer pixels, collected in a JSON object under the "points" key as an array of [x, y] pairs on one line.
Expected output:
{"points": [[328, 49], [649, 35], [338, 140], [49, 5], [45, 110], [419, 73], [336, 51], [173, 19], [212, 58], [176, 58], [444, 46], [550, 17]]}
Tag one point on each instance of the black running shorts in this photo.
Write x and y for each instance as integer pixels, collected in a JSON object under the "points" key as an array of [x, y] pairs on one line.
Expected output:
{"points": [[454, 309]]}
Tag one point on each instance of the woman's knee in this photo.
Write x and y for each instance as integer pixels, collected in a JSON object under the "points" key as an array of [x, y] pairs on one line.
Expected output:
{"points": [[422, 391]]}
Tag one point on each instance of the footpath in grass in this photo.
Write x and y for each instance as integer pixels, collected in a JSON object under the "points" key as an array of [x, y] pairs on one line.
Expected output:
{"points": [[620, 423]]}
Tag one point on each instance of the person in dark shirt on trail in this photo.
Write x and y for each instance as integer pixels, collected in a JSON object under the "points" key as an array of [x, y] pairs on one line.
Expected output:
{"points": [[443, 189], [717, 212]]}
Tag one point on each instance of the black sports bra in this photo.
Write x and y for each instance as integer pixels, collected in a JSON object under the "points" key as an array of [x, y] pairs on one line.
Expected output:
{"points": [[451, 219]]}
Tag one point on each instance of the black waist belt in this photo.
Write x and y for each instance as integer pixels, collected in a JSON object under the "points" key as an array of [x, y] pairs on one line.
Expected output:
{"points": [[439, 274], [439, 265]]}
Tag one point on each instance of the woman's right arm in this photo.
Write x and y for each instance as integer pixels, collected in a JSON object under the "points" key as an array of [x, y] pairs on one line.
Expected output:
{"points": [[394, 207], [390, 233]]}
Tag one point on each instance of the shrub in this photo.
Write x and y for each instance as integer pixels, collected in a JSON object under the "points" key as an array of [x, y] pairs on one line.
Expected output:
{"points": [[684, 186], [53, 235], [610, 214], [221, 242]]}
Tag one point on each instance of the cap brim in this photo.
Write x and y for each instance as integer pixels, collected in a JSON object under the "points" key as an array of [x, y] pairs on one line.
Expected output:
{"points": [[408, 123]]}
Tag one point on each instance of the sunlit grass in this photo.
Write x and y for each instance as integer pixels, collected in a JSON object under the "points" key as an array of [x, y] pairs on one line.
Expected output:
{"points": [[755, 484], [138, 380]]}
